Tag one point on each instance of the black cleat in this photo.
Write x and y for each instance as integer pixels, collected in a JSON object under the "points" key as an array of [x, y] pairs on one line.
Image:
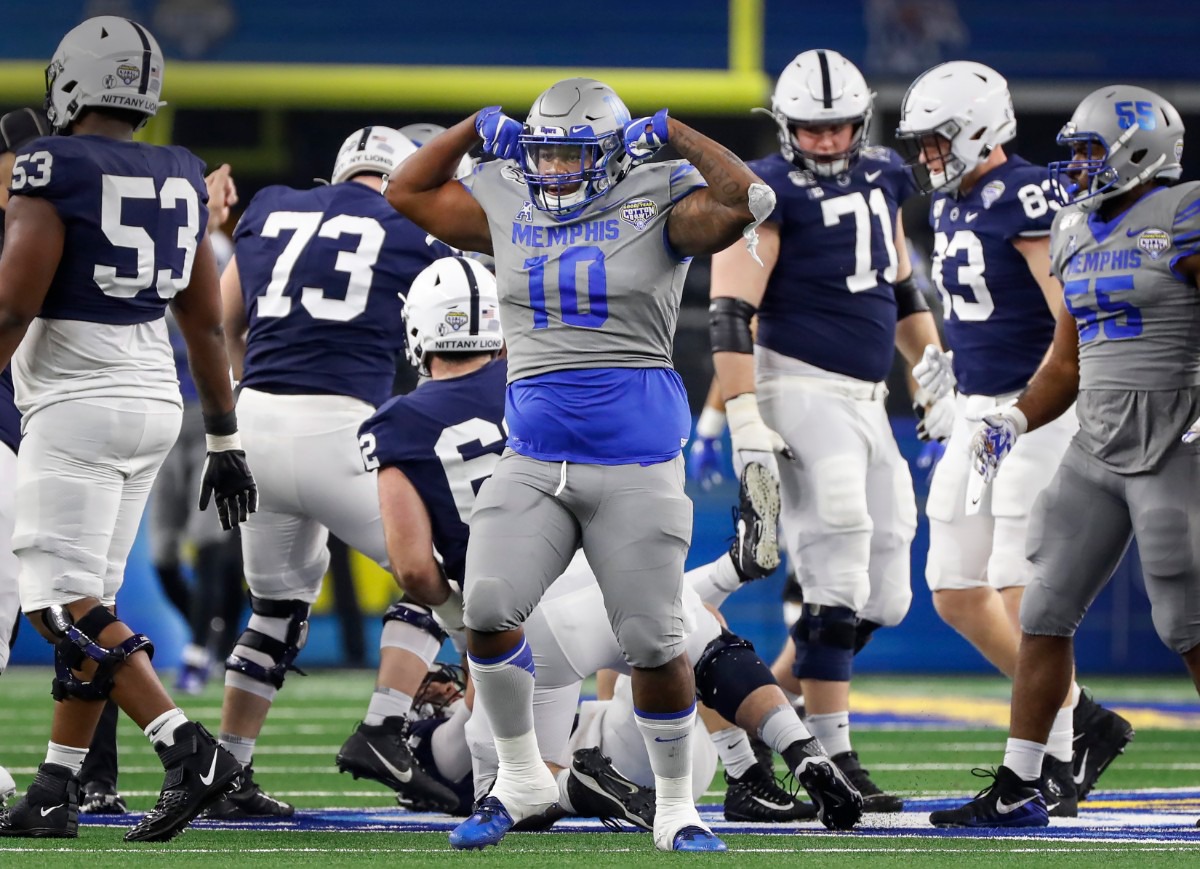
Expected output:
{"points": [[198, 773], [838, 803], [764, 756], [381, 753], [597, 790], [1100, 735], [101, 798], [758, 798], [755, 548], [1006, 802], [48, 810], [874, 799], [1058, 788], [248, 801]]}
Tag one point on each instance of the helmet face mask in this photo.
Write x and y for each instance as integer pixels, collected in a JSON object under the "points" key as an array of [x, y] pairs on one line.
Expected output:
{"points": [[818, 90], [104, 63], [451, 307], [1120, 136], [379, 150], [964, 103], [572, 148]]}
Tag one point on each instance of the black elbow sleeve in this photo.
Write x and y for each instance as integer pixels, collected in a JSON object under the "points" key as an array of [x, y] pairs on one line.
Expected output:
{"points": [[909, 299], [729, 325]]}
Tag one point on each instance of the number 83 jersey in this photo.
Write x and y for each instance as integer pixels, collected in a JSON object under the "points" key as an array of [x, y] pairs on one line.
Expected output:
{"points": [[996, 318], [133, 216]]}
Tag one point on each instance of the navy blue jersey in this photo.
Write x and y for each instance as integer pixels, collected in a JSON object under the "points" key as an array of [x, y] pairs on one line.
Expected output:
{"points": [[996, 318], [134, 215], [10, 417], [446, 436], [321, 273], [829, 301]]}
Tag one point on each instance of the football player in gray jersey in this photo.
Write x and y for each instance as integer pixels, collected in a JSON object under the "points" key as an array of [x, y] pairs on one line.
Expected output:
{"points": [[1128, 253], [591, 244]]}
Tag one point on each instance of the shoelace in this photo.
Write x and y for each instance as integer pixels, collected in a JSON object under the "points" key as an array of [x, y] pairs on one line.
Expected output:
{"points": [[769, 787], [980, 772]]}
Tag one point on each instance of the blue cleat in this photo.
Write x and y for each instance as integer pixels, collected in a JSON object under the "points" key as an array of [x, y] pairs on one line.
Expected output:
{"points": [[1006, 802], [694, 838], [486, 826]]}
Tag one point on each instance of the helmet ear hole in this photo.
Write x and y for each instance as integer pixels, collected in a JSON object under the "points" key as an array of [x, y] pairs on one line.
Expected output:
{"points": [[1138, 156]]}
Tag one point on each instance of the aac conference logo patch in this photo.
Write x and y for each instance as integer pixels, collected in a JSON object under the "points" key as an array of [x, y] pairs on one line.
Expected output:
{"points": [[639, 212], [1154, 241]]}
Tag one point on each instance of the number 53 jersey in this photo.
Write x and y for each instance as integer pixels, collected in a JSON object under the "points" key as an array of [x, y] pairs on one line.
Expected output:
{"points": [[1138, 321], [133, 216]]}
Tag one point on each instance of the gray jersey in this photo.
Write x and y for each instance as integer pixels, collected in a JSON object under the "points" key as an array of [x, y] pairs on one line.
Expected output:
{"points": [[1138, 322], [599, 290]]}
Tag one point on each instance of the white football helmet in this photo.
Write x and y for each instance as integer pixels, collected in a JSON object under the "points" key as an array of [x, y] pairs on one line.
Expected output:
{"points": [[451, 307], [105, 62], [1130, 135], [372, 149], [818, 88], [422, 133], [966, 105]]}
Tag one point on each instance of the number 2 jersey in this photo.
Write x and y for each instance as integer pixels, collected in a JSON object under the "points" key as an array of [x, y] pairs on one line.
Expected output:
{"points": [[829, 301], [322, 273], [133, 215], [589, 306], [446, 437], [1138, 321], [994, 312]]}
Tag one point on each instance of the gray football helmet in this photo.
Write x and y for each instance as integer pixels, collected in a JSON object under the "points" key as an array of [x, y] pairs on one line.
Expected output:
{"points": [[105, 62], [421, 133], [577, 124], [1127, 135]]}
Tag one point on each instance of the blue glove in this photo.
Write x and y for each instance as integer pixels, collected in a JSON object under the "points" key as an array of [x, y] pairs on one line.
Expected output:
{"points": [[644, 136], [498, 131], [928, 458], [705, 462]]}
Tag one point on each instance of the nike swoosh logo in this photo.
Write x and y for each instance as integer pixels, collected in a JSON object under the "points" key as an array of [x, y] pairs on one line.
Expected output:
{"points": [[212, 771], [1082, 774], [50, 809], [971, 215], [871, 176], [770, 805], [672, 739], [1005, 808], [1130, 233], [405, 776]]}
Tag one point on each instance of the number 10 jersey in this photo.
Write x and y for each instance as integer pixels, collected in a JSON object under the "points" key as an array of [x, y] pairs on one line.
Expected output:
{"points": [[133, 216]]}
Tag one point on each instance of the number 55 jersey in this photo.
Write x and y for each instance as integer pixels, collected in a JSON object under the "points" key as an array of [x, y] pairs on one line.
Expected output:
{"points": [[1139, 324], [133, 216]]}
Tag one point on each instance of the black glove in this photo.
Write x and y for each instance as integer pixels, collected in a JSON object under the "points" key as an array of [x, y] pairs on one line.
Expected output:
{"points": [[227, 479]]}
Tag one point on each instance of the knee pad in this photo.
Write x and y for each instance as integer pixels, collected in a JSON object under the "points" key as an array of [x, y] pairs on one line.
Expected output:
{"points": [[728, 672], [825, 638], [411, 627], [76, 646], [264, 657], [862, 633]]}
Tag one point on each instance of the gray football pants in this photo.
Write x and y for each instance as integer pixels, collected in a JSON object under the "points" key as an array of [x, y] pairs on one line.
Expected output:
{"points": [[634, 523], [1081, 527]]}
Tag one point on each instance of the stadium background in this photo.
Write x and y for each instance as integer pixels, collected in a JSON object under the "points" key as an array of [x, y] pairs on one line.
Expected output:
{"points": [[273, 86]]}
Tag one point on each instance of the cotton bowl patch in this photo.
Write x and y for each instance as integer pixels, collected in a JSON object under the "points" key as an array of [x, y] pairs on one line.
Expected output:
{"points": [[639, 212], [1154, 242]]}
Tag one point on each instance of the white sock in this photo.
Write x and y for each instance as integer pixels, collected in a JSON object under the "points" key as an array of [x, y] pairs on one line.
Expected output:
{"points": [[1024, 758], [715, 581], [564, 796], [833, 731], [782, 727], [241, 747], [66, 755], [196, 656], [1076, 693], [1060, 744], [387, 703], [733, 747], [668, 738], [447, 744], [161, 731]]}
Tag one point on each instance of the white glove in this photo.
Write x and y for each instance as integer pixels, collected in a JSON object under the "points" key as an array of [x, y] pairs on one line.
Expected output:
{"points": [[1192, 433], [936, 416], [752, 440], [935, 372], [994, 440]]}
